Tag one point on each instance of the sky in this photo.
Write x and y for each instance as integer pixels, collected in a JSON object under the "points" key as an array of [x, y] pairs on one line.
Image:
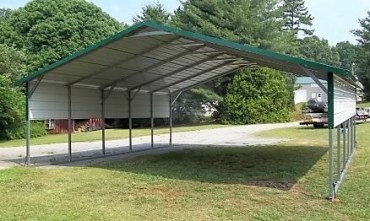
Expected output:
{"points": [[333, 19]]}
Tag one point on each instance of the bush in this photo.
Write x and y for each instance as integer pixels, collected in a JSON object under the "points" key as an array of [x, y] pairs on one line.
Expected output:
{"points": [[12, 109], [38, 129], [258, 95]]}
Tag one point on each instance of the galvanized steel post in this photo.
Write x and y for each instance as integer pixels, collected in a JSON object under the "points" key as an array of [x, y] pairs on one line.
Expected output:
{"points": [[344, 143], [338, 151], [151, 121], [69, 123], [170, 117], [130, 120], [103, 121], [28, 127], [331, 179]]}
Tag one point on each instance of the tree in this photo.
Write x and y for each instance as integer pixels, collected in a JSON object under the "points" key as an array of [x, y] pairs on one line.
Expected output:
{"points": [[297, 17], [3, 13], [51, 29], [267, 100], [153, 12], [348, 54], [11, 98], [12, 62], [363, 67], [318, 50], [254, 22]]}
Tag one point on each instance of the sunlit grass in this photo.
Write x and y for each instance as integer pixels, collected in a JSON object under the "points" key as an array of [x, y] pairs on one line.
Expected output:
{"points": [[277, 182]]}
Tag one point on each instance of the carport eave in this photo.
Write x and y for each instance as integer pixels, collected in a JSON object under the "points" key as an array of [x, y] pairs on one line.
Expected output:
{"points": [[228, 45], [79, 53]]}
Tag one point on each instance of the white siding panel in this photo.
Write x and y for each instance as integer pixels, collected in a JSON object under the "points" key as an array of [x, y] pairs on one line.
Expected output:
{"points": [[344, 101], [50, 101]]}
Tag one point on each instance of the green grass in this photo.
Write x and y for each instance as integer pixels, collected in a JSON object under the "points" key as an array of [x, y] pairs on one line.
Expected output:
{"points": [[278, 182], [363, 104], [111, 134]]}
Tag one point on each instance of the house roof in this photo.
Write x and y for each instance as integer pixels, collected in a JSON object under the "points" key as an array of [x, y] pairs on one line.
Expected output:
{"points": [[307, 80], [158, 58]]}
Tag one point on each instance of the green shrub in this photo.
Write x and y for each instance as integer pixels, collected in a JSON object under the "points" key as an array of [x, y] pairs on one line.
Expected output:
{"points": [[38, 129], [258, 95]]}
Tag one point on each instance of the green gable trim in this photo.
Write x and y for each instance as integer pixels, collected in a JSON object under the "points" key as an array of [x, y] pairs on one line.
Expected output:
{"points": [[195, 36]]}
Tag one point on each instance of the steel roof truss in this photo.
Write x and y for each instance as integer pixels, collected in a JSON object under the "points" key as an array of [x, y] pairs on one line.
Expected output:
{"points": [[177, 71], [208, 80], [115, 65], [194, 75], [155, 65]]}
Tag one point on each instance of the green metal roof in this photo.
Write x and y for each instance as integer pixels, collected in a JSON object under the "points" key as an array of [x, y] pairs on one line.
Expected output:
{"points": [[152, 33]]}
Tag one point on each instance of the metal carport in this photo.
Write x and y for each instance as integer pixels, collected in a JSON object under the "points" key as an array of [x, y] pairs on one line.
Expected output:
{"points": [[162, 61]]}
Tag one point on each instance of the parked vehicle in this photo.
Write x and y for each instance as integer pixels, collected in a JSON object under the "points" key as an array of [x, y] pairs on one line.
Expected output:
{"points": [[362, 114], [315, 114]]}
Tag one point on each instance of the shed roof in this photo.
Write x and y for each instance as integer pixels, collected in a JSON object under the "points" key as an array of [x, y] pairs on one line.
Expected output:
{"points": [[158, 58], [307, 80]]}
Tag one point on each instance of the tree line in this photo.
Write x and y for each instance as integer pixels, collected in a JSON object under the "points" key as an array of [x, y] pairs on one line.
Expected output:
{"points": [[44, 31]]}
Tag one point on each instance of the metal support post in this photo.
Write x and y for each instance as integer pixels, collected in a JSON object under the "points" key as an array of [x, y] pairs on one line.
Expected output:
{"points": [[338, 152], [344, 143], [348, 139], [103, 122], [69, 123], [331, 179], [130, 120], [354, 134], [151, 121], [170, 117], [28, 127]]}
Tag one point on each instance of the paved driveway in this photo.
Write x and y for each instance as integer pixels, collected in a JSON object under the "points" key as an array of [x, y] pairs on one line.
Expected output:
{"points": [[57, 153]]}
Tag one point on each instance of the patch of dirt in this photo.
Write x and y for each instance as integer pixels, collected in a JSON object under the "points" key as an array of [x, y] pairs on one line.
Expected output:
{"points": [[168, 194], [281, 185]]}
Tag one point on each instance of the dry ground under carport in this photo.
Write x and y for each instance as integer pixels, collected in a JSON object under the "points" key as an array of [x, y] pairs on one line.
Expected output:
{"points": [[57, 153]]}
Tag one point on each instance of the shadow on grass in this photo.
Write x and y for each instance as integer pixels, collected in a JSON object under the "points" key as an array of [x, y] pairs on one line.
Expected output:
{"points": [[277, 167]]}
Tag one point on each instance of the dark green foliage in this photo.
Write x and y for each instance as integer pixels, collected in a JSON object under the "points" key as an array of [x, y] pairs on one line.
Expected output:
{"points": [[12, 62], [254, 22], [51, 29], [266, 100], [363, 66], [4, 12], [46, 31], [12, 101], [297, 17], [193, 104], [153, 12], [11, 110], [318, 50], [348, 54], [38, 129]]}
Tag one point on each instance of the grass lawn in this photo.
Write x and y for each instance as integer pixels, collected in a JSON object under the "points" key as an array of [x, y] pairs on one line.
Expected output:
{"points": [[111, 134], [363, 104], [279, 182]]}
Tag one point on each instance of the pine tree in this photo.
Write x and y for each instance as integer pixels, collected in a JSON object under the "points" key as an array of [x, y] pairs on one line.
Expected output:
{"points": [[297, 17], [153, 12], [363, 66], [254, 22]]}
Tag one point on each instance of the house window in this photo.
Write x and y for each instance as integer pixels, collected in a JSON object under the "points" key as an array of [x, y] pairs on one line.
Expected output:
{"points": [[49, 124], [319, 97]]}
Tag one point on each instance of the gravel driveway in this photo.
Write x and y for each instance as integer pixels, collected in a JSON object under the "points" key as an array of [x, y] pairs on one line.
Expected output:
{"points": [[57, 153]]}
